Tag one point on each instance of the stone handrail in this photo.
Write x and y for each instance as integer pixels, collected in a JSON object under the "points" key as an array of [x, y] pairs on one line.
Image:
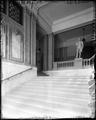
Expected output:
{"points": [[63, 64], [88, 62], [92, 57], [17, 74], [67, 64]]}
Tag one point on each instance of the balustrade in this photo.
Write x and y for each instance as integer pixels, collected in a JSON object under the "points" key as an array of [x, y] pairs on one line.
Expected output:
{"points": [[88, 62], [67, 64], [64, 64]]}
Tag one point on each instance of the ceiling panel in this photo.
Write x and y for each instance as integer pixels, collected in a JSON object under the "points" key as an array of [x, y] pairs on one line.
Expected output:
{"points": [[58, 10]]}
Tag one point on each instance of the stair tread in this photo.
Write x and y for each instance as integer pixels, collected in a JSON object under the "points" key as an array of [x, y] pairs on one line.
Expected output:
{"points": [[36, 111], [45, 104], [60, 99]]}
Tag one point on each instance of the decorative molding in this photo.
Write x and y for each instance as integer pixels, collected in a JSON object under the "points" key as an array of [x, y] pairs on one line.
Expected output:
{"points": [[33, 11], [73, 20], [32, 6], [46, 18], [44, 25]]}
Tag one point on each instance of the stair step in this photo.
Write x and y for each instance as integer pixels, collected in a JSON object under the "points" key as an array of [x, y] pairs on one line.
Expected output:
{"points": [[32, 112], [62, 77], [62, 90], [47, 104], [55, 90], [55, 96], [59, 81], [65, 96], [19, 112], [80, 85], [55, 87]]}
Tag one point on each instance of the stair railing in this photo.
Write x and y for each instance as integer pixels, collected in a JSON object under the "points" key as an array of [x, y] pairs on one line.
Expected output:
{"points": [[88, 62], [8, 78], [67, 64]]}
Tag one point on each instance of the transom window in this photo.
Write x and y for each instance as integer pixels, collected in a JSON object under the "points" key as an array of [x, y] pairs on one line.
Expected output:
{"points": [[16, 12]]}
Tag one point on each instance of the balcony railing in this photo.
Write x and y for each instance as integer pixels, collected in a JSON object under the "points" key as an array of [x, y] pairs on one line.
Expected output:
{"points": [[70, 64], [63, 64]]}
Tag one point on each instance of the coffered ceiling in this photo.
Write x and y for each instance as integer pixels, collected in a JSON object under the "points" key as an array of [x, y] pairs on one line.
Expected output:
{"points": [[51, 12], [54, 11]]}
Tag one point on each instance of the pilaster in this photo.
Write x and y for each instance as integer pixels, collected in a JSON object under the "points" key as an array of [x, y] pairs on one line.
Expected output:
{"points": [[45, 58], [50, 51], [33, 41]]}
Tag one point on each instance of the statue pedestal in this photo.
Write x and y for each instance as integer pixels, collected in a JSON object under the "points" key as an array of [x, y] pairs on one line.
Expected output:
{"points": [[78, 62]]}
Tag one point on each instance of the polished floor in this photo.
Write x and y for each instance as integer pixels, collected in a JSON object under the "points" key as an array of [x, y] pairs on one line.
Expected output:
{"points": [[65, 95]]}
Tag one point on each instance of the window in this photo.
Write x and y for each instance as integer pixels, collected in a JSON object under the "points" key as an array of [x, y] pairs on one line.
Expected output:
{"points": [[16, 45], [16, 12], [3, 5]]}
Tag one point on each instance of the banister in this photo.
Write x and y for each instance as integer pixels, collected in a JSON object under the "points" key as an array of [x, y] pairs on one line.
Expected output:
{"points": [[85, 62], [65, 61], [65, 64], [16, 74], [88, 62], [92, 57]]}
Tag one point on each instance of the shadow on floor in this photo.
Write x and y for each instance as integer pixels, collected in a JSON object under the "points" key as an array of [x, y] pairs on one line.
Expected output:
{"points": [[40, 73]]}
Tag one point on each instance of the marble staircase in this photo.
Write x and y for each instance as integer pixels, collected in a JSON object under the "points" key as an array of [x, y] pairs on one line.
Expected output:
{"points": [[62, 95]]}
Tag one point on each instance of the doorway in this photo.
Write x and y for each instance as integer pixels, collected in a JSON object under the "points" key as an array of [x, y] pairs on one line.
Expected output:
{"points": [[39, 55], [39, 48]]}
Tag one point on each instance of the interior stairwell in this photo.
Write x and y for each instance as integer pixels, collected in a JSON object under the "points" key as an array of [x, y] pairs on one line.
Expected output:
{"points": [[62, 94]]}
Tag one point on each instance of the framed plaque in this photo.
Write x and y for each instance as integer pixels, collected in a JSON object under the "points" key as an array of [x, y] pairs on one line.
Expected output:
{"points": [[16, 45]]}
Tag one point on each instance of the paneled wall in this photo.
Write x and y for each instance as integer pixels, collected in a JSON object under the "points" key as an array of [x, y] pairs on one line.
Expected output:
{"points": [[18, 37], [12, 37], [18, 34]]}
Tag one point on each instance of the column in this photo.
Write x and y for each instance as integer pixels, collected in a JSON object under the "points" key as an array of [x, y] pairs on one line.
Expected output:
{"points": [[33, 41], [24, 15], [50, 51], [27, 37], [45, 58]]}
